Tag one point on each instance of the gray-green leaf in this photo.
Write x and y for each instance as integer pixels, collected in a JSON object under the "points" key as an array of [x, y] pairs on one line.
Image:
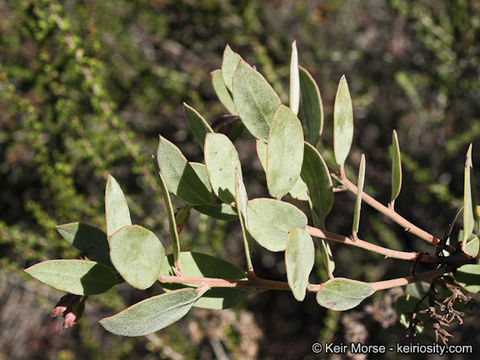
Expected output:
{"points": [[152, 314], [89, 240], [174, 238], [116, 207], [312, 106], [199, 265], [294, 80], [299, 190], [229, 66], [358, 202], [78, 277], [316, 176], [221, 159], [342, 122], [222, 92], [299, 260], [137, 254], [179, 175], [197, 124], [284, 152], [396, 167], [342, 294], [269, 221], [255, 100], [469, 199]]}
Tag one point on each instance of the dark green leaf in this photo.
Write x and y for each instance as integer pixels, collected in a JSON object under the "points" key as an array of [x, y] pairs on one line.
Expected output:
{"points": [[316, 176], [221, 212], [116, 207], [417, 289], [152, 314], [179, 175], [197, 124], [284, 152], [342, 122], [312, 106], [89, 240], [78, 277], [358, 202], [396, 167], [325, 252], [202, 266], [294, 80], [269, 221], [255, 100], [405, 305], [342, 294], [137, 254], [469, 277], [222, 92], [299, 260]]}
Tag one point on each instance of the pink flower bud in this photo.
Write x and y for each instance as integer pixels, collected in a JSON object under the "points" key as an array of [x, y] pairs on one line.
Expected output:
{"points": [[63, 304], [69, 320], [73, 314]]}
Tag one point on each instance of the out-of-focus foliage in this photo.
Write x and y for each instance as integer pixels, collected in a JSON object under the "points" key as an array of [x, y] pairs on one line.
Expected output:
{"points": [[86, 86]]}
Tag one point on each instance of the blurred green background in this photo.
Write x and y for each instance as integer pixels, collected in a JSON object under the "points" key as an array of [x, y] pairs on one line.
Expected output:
{"points": [[87, 86]]}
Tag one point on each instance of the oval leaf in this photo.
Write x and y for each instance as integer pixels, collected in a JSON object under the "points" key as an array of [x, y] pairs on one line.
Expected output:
{"points": [[342, 294], [342, 122], [396, 167], [469, 199], [174, 238], [358, 202], [78, 277], [222, 92], [221, 159], [269, 221], [229, 66], [152, 314], [299, 260], [197, 124], [137, 255], [255, 100], [179, 175], [294, 80], [284, 152], [89, 240], [312, 106], [299, 190], [316, 176], [116, 208], [201, 266], [221, 212]]}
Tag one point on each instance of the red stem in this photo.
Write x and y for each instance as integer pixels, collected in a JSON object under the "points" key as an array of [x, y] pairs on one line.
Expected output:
{"points": [[258, 283], [391, 213], [403, 255]]}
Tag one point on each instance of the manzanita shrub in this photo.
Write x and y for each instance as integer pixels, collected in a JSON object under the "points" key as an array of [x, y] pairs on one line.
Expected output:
{"points": [[287, 150]]}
